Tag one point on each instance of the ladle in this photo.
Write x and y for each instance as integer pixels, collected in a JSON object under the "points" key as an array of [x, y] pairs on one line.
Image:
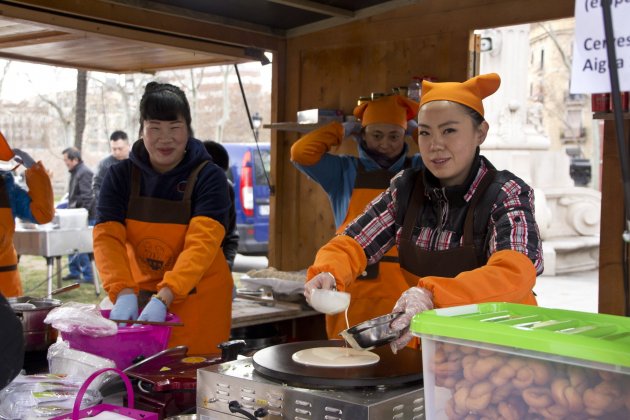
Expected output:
{"points": [[26, 306]]}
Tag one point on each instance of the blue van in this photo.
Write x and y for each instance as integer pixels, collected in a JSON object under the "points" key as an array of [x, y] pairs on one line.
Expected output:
{"points": [[249, 169]]}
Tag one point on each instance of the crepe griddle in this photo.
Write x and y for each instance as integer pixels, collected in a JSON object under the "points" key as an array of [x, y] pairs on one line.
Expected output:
{"points": [[276, 363]]}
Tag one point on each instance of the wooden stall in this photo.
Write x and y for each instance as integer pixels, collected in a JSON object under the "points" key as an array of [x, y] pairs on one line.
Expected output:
{"points": [[321, 63], [333, 67]]}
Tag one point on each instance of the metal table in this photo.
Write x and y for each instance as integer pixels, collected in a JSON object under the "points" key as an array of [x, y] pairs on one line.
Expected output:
{"points": [[53, 244]]}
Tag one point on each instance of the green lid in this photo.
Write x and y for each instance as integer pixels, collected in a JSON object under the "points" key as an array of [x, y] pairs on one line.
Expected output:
{"points": [[595, 337]]}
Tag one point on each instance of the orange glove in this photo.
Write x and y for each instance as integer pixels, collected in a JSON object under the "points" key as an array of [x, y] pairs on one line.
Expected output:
{"points": [[41, 193], [343, 257], [508, 276], [201, 247], [110, 253], [309, 149]]}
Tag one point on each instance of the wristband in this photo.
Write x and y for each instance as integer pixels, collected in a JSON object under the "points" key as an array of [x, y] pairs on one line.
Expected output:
{"points": [[161, 299]]}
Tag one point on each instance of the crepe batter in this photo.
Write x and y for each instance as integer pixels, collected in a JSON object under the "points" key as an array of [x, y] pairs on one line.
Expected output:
{"points": [[335, 357]]}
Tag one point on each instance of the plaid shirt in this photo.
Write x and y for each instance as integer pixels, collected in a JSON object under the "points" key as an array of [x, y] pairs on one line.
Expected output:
{"points": [[440, 224]]}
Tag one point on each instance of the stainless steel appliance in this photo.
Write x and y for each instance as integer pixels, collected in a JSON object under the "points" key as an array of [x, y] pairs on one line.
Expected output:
{"points": [[270, 385], [53, 244]]}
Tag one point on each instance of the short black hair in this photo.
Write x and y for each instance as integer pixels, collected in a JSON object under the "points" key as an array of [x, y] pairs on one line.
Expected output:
{"points": [[218, 154], [164, 102], [118, 135], [73, 153]]}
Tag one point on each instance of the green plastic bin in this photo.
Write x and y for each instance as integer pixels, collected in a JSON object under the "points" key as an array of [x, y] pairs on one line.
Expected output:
{"points": [[489, 359]]}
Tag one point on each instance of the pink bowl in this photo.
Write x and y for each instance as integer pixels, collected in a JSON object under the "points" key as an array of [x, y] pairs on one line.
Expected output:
{"points": [[126, 345]]}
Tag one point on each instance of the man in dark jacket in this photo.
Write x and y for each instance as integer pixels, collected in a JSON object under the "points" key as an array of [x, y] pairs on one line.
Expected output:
{"points": [[120, 147], [79, 196]]}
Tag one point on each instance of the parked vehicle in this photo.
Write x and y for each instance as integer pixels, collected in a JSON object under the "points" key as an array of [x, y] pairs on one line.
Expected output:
{"points": [[249, 169]]}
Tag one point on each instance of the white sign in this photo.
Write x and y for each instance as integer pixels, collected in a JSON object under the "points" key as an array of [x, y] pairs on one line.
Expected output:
{"points": [[590, 61]]}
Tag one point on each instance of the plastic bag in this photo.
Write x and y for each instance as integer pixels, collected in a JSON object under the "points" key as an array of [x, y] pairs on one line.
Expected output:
{"points": [[42, 396], [77, 364], [82, 318]]}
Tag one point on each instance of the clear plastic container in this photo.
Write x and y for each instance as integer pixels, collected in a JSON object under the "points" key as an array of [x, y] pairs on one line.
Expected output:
{"points": [[500, 360]]}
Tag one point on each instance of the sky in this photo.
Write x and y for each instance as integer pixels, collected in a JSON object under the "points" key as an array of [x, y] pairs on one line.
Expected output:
{"points": [[24, 80]]}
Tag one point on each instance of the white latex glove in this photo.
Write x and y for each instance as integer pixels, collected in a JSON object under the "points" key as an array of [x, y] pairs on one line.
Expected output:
{"points": [[411, 302], [321, 281], [351, 129]]}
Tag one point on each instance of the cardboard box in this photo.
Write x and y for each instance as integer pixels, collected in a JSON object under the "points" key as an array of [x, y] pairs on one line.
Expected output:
{"points": [[317, 115], [500, 360]]}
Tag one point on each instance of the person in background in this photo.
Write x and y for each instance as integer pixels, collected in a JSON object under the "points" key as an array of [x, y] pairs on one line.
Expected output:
{"points": [[119, 146], [230, 243], [352, 182], [465, 231], [34, 206], [79, 196], [162, 217]]}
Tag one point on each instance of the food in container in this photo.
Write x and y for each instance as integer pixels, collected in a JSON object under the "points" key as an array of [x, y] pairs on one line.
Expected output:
{"points": [[500, 360]]}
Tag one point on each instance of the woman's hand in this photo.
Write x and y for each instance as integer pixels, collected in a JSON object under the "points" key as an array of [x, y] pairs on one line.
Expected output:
{"points": [[126, 306], [155, 311], [411, 302], [321, 281]]}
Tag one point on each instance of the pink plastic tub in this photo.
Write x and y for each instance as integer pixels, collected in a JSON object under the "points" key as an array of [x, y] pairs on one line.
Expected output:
{"points": [[125, 346]]}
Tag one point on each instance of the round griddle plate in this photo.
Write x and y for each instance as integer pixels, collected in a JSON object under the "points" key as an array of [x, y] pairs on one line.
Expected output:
{"points": [[276, 363]]}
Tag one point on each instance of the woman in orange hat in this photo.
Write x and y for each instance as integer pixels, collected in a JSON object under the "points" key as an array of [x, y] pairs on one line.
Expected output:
{"points": [[465, 231], [35, 206], [352, 182], [162, 216]]}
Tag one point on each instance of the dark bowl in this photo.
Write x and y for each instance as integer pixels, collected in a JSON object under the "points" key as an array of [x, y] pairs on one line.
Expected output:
{"points": [[372, 333]]}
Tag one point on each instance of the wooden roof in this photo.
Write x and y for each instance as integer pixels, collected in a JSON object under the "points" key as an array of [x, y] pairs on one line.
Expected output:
{"points": [[126, 36]]}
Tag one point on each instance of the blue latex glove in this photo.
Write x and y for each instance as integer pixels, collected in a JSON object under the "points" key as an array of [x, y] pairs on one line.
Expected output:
{"points": [[155, 311], [126, 307]]}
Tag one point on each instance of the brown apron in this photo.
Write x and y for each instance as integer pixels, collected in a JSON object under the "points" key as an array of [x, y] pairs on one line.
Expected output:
{"points": [[416, 262]]}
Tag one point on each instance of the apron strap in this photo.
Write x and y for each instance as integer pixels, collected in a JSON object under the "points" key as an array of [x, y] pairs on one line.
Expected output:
{"points": [[415, 202], [481, 189]]}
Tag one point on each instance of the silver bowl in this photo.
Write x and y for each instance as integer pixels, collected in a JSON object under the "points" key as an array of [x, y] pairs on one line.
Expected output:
{"points": [[372, 333]]}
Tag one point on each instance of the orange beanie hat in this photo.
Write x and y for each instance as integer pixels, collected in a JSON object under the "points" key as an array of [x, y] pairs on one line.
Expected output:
{"points": [[6, 153], [469, 93], [394, 109]]}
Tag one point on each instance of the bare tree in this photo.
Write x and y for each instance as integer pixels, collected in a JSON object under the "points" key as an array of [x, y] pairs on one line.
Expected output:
{"points": [[4, 70], [79, 116]]}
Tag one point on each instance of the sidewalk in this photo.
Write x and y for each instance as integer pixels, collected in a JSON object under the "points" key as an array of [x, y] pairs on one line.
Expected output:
{"points": [[575, 291]]}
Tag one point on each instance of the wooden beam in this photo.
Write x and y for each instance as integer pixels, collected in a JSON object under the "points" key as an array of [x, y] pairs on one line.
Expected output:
{"points": [[313, 6], [133, 17], [35, 37], [115, 32]]}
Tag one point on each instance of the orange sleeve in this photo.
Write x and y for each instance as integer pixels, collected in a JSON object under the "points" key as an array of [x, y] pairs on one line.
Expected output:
{"points": [[309, 149], [201, 246], [509, 276], [41, 193], [110, 254], [343, 257]]}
